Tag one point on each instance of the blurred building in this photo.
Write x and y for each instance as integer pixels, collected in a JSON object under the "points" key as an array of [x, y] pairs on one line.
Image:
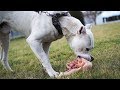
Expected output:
{"points": [[108, 16]]}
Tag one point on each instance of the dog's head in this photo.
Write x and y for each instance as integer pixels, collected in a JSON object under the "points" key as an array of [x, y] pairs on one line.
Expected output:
{"points": [[79, 37], [82, 42]]}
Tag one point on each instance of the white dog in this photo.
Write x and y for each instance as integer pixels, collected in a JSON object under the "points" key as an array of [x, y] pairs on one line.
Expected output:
{"points": [[40, 32]]}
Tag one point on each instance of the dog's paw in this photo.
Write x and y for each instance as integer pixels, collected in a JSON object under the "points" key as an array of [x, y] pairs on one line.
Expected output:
{"points": [[53, 74], [6, 65]]}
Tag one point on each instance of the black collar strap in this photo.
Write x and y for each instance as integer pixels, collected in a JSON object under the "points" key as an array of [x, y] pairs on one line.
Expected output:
{"points": [[55, 20]]}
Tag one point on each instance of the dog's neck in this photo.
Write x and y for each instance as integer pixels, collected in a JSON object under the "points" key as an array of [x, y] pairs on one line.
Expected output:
{"points": [[70, 25], [56, 15]]}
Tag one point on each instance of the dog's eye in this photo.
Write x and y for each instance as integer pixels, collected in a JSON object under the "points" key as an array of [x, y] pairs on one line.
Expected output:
{"points": [[87, 49]]}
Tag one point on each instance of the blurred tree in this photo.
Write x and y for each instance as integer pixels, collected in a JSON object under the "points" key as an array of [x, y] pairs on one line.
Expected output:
{"points": [[92, 15], [79, 15], [95, 13]]}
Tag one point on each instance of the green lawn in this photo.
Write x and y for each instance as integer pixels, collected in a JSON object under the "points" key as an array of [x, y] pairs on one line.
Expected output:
{"points": [[105, 66]]}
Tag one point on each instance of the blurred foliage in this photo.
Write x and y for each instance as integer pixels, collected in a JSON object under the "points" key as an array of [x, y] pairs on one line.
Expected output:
{"points": [[79, 15]]}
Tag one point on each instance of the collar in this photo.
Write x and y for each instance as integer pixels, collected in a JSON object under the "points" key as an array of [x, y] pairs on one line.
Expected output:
{"points": [[55, 20]]}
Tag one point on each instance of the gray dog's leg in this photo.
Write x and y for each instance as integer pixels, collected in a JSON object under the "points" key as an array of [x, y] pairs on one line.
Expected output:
{"points": [[5, 47], [4, 41], [1, 50], [46, 47], [37, 48]]}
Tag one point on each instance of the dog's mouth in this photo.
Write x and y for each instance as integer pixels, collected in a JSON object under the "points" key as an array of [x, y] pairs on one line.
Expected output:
{"points": [[81, 57], [87, 58]]}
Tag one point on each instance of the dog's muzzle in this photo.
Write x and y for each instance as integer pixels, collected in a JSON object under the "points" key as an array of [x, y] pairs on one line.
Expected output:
{"points": [[89, 58]]}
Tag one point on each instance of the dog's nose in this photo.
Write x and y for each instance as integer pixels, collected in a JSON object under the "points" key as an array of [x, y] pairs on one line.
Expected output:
{"points": [[92, 58]]}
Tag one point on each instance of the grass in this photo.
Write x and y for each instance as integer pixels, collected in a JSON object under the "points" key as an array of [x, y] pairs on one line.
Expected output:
{"points": [[105, 66]]}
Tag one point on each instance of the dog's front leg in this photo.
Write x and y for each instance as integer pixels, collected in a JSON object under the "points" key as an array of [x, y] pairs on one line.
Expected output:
{"points": [[37, 48], [1, 52], [46, 46]]}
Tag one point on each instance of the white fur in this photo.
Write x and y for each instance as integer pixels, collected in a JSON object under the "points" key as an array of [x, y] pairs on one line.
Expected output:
{"points": [[40, 33]]}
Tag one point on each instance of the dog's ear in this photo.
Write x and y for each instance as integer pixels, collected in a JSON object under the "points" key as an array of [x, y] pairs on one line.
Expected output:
{"points": [[82, 30]]}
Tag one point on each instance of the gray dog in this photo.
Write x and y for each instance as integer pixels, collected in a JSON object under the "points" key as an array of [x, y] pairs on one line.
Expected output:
{"points": [[40, 33]]}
